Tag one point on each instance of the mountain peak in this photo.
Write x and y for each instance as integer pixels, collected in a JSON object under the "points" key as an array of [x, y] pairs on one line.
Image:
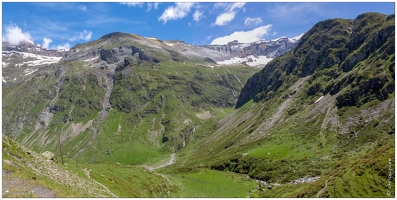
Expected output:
{"points": [[115, 34]]}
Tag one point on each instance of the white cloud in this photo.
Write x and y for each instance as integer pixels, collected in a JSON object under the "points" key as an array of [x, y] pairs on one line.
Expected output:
{"points": [[85, 35], [65, 46], [229, 6], [82, 8], [220, 5], [180, 10], [14, 35], [224, 18], [252, 21], [46, 42], [152, 5], [208, 37], [156, 5], [198, 15], [228, 14], [244, 36], [149, 6], [236, 6], [132, 4]]}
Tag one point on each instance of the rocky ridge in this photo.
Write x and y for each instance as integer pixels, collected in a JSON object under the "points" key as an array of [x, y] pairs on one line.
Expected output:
{"points": [[26, 58], [269, 48], [325, 109], [332, 43], [319, 110]]}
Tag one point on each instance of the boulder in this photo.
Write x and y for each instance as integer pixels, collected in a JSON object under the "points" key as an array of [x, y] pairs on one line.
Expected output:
{"points": [[49, 155]]}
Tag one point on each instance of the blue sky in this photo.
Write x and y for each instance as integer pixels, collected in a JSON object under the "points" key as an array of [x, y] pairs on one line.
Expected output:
{"points": [[62, 25]]}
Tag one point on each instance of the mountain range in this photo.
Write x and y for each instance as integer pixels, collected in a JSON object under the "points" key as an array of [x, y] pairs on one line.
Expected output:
{"points": [[25, 58], [131, 116]]}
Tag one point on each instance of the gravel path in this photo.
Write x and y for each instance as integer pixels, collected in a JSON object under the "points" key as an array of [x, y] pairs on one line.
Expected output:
{"points": [[17, 187], [172, 160]]}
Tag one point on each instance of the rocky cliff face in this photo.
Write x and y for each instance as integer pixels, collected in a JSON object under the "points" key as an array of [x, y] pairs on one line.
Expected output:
{"points": [[146, 80], [333, 48], [116, 49], [324, 103], [33, 48], [114, 55], [19, 61], [271, 48]]}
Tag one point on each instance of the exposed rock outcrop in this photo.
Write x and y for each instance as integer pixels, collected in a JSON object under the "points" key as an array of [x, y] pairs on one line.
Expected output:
{"points": [[271, 48], [116, 54], [336, 42]]}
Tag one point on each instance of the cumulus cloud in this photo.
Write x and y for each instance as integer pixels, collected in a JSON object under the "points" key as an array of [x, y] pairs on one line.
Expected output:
{"points": [[198, 15], [85, 35], [224, 18], [14, 35], [230, 11], [244, 36], [252, 21], [46, 42], [82, 8], [180, 10], [65, 46]]}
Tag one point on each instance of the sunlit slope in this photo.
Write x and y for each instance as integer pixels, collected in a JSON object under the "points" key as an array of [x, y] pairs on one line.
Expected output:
{"points": [[139, 114], [315, 112]]}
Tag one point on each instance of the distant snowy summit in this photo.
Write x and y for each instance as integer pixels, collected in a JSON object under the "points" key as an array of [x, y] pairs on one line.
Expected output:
{"points": [[31, 47], [19, 61], [256, 54]]}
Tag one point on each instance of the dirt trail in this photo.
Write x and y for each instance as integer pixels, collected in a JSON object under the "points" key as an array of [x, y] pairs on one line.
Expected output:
{"points": [[46, 170], [17, 187], [172, 160], [323, 190]]}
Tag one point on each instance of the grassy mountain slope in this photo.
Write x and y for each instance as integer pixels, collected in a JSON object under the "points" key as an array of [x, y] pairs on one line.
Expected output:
{"points": [[315, 112], [39, 175], [28, 174], [317, 121], [133, 111]]}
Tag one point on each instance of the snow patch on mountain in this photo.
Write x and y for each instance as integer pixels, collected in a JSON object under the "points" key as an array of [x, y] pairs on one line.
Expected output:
{"points": [[169, 44], [297, 38], [152, 38], [258, 61], [253, 61], [91, 59], [30, 71], [280, 38], [34, 59]]}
